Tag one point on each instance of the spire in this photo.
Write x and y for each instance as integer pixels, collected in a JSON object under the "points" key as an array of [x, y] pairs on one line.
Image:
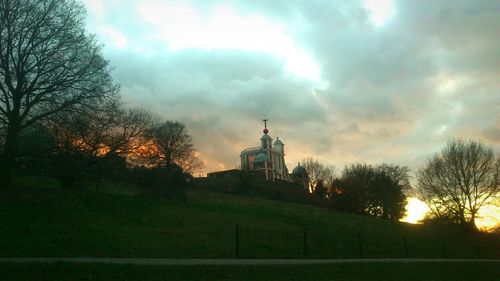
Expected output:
{"points": [[266, 140], [265, 126]]}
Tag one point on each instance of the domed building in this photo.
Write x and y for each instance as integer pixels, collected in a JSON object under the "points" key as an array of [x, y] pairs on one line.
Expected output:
{"points": [[267, 160], [300, 176]]}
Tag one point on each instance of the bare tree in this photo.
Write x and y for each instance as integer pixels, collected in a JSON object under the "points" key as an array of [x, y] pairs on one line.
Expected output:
{"points": [[319, 173], [48, 64], [461, 179], [173, 145]]}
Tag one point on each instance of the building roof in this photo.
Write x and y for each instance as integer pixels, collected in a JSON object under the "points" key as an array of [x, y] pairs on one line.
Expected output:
{"points": [[251, 150], [278, 142]]}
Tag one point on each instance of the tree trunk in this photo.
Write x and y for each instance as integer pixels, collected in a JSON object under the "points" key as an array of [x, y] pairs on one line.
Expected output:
{"points": [[6, 163], [8, 154], [385, 212], [471, 224]]}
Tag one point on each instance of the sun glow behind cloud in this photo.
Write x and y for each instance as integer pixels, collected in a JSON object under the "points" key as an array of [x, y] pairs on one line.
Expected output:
{"points": [[381, 11], [183, 27], [117, 38]]}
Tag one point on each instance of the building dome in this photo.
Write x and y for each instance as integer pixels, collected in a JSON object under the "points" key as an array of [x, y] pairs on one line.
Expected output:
{"points": [[261, 157], [278, 142], [266, 137], [299, 172]]}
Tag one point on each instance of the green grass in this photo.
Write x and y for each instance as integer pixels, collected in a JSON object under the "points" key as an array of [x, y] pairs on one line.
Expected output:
{"points": [[338, 272], [39, 219]]}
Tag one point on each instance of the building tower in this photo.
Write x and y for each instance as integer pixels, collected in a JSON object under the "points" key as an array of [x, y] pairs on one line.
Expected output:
{"points": [[267, 160]]}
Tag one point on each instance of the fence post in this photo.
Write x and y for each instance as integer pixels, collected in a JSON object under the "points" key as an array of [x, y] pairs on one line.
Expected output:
{"points": [[445, 253], [237, 233], [406, 246], [360, 245], [477, 246], [305, 243]]}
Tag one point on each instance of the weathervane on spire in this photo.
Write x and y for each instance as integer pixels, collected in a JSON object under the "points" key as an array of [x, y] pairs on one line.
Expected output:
{"points": [[265, 124]]}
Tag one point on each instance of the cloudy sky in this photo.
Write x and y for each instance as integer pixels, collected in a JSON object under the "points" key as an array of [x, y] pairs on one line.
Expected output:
{"points": [[342, 81]]}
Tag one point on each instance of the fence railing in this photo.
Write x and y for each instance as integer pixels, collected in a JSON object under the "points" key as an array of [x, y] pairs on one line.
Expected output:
{"points": [[304, 243]]}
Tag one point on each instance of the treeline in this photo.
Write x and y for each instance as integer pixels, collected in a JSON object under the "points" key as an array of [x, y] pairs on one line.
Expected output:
{"points": [[108, 142], [60, 111], [362, 189], [454, 183]]}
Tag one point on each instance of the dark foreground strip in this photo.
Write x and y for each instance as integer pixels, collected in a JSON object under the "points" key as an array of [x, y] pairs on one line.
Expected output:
{"points": [[159, 261]]}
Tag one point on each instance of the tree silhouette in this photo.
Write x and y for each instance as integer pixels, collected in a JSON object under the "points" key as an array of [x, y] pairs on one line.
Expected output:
{"points": [[173, 146], [97, 138], [377, 191], [349, 193], [389, 188], [459, 180], [48, 64]]}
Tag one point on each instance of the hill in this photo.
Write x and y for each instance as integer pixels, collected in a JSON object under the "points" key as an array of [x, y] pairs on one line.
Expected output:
{"points": [[39, 219]]}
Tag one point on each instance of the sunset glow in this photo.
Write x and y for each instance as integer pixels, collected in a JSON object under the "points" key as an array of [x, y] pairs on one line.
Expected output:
{"points": [[416, 210], [488, 217]]}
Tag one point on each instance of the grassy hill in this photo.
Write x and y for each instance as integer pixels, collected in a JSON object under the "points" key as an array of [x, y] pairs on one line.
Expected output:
{"points": [[39, 219]]}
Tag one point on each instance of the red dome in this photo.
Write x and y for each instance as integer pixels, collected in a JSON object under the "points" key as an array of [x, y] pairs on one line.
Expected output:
{"points": [[265, 131]]}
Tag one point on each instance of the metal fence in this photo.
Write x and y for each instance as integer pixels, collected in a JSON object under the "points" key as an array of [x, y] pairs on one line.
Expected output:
{"points": [[303, 243]]}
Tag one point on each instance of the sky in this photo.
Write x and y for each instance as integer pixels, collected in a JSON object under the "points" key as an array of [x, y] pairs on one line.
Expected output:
{"points": [[341, 81]]}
